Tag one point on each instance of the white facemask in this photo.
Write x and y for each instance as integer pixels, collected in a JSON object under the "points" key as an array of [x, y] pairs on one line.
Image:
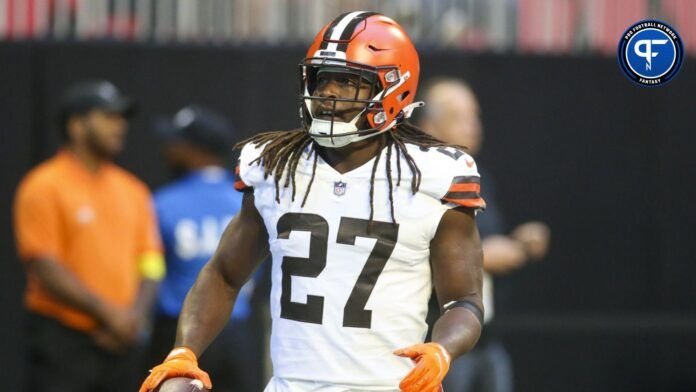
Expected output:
{"points": [[344, 133]]}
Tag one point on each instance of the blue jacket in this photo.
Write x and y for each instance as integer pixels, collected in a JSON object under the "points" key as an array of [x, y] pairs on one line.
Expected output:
{"points": [[193, 212]]}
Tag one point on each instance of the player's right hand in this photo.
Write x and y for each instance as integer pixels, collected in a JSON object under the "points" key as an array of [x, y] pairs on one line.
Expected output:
{"points": [[181, 362]]}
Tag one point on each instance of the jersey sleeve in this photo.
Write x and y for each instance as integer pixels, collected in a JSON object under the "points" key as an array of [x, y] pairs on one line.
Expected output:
{"points": [[453, 179], [149, 239], [249, 172], [37, 221], [465, 190]]}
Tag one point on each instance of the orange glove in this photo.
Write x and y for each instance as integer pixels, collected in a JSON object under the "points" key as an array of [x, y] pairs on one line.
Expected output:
{"points": [[181, 362], [432, 364]]}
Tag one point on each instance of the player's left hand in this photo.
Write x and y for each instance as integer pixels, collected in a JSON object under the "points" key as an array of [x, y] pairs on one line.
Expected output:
{"points": [[432, 363]]}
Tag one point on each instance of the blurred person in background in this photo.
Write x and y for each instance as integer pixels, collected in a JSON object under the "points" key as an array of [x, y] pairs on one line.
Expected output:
{"points": [[87, 234], [452, 114], [193, 212]]}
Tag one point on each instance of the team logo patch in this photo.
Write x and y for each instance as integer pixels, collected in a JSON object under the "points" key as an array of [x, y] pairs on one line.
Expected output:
{"points": [[85, 214], [650, 53], [339, 188]]}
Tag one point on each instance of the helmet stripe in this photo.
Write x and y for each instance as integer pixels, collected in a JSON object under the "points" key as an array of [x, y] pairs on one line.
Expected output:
{"points": [[337, 31], [350, 30], [341, 29], [330, 29]]}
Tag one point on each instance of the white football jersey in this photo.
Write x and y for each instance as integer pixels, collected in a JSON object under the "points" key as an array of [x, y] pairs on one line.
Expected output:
{"points": [[346, 294]]}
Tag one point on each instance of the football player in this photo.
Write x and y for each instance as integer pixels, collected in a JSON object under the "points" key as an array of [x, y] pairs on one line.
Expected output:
{"points": [[362, 214]]}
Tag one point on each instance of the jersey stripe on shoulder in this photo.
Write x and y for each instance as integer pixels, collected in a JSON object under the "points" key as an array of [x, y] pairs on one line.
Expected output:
{"points": [[465, 191], [466, 180]]}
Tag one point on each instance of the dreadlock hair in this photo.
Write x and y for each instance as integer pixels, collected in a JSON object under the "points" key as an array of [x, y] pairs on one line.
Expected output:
{"points": [[282, 151]]}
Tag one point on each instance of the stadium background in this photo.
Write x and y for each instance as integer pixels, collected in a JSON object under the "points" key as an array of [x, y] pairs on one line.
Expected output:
{"points": [[608, 165]]}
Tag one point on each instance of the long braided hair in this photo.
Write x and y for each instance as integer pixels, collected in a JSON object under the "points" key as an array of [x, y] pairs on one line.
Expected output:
{"points": [[283, 150]]}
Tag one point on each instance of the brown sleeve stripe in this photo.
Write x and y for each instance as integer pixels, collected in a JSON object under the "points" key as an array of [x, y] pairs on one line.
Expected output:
{"points": [[465, 188], [465, 191], [466, 180], [473, 203]]}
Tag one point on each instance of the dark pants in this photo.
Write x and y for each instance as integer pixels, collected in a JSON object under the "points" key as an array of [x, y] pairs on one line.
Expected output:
{"points": [[65, 360], [233, 359]]}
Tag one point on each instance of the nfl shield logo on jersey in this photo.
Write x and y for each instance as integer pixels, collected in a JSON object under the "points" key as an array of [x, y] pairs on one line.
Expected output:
{"points": [[339, 188]]}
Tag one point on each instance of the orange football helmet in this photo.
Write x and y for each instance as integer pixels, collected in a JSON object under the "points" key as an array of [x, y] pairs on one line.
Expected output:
{"points": [[377, 49]]}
